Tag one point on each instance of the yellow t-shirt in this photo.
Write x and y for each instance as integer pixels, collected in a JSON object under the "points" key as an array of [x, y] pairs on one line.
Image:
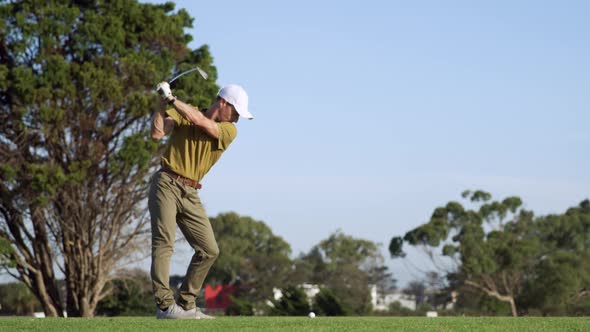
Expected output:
{"points": [[191, 152]]}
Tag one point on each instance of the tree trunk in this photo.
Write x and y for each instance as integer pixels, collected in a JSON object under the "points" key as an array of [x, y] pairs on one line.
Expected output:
{"points": [[86, 310], [34, 265], [513, 308], [46, 280], [50, 307], [494, 293]]}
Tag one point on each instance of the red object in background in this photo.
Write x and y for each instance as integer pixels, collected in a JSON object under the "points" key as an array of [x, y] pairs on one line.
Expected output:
{"points": [[218, 297]]}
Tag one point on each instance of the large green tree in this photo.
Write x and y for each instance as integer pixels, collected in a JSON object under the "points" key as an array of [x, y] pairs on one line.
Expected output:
{"points": [[347, 266], [560, 283], [76, 92], [250, 256], [493, 255], [503, 251]]}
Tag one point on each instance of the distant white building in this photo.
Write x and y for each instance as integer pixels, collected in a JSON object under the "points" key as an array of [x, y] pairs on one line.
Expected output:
{"points": [[381, 302], [310, 290]]}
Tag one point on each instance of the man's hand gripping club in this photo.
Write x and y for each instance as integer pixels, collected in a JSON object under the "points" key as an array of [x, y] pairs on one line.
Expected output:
{"points": [[187, 111], [164, 90]]}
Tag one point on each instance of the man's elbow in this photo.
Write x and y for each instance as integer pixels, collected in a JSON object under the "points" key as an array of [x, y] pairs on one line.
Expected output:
{"points": [[156, 136]]}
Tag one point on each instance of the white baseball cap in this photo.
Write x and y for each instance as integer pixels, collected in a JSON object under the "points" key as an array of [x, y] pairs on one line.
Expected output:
{"points": [[236, 95]]}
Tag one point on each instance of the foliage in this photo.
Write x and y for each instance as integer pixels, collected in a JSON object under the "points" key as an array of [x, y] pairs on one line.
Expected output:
{"points": [[438, 294], [325, 303], [341, 249], [257, 260], [503, 251], [492, 254], [76, 90], [346, 266], [431, 292], [560, 283], [473, 302], [396, 309], [130, 295], [382, 278], [6, 254], [251, 254], [418, 290], [239, 307], [17, 299], [293, 302]]}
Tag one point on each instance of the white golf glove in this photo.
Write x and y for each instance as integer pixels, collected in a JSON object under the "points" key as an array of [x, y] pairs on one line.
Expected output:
{"points": [[163, 89]]}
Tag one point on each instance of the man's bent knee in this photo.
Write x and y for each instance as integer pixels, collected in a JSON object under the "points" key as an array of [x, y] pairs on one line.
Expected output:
{"points": [[210, 254], [214, 252]]}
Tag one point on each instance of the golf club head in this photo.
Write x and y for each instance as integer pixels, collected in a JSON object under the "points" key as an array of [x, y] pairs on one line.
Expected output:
{"points": [[201, 72]]}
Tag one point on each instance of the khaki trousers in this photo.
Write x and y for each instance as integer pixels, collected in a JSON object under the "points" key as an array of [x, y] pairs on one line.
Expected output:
{"points": [[173, 203]]}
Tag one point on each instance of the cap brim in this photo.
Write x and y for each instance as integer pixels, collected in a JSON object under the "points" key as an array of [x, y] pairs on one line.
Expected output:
{"points": [[245, 114]]}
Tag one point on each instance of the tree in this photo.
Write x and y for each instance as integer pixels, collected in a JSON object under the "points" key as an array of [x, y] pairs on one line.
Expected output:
{"points": [[560, 282], [493, 255], [526, 264], [239, 307], [6, 254], [251, 254], [131, 295], [396, 309], [346, 265], [76, 90], [17, 299], [293, 302], [380, 276], [325, 303], [470, 301], [438, 294], [418, 290]]}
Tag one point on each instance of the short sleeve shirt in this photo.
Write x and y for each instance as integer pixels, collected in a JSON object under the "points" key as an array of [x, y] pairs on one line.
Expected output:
{"points": [[191, 152]]}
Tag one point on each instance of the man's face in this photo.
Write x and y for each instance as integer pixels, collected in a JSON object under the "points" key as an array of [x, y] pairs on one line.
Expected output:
{"points": [[234, 115], [227, 112]]}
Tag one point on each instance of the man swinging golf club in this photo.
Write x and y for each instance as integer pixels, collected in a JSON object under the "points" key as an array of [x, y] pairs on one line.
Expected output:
{"points": [[196, 143]]}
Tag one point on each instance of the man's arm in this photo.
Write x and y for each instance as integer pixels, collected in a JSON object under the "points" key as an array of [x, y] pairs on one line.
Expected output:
{"points": [[162, 125], [196, 117], [187, 111]]}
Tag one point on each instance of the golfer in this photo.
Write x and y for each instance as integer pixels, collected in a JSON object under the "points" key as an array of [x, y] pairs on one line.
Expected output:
{"points": [[197, 141]]}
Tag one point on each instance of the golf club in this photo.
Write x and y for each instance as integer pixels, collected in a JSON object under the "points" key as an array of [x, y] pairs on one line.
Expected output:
{"points": [[201, 71]]}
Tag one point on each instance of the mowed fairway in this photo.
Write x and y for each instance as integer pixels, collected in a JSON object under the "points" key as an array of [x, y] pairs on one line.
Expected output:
{"points": [[421, 324]]}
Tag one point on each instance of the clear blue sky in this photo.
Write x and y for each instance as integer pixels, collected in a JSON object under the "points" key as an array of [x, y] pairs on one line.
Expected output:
{"points": [[369, 114]]}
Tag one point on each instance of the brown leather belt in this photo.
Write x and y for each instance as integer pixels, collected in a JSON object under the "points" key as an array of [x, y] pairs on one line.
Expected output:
{"points": [[178, 177]]}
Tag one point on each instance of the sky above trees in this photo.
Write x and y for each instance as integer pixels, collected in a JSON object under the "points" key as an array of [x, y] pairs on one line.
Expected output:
{"points": [[369, 114]]}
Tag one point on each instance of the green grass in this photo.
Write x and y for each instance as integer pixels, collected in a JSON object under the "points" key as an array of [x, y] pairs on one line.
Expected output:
{"points": [[421, 324]]}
